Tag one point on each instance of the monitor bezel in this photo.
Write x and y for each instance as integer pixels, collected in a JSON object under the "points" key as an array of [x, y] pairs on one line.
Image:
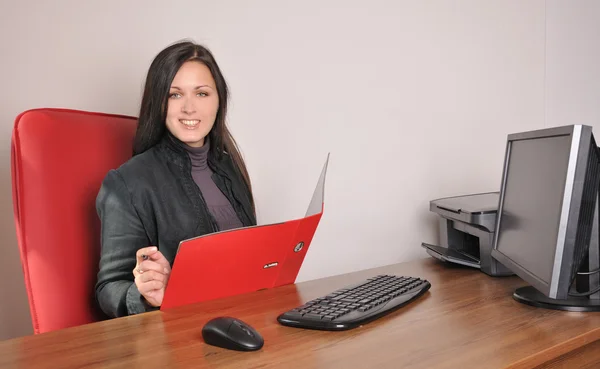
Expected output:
{"points": [[570, 205]]}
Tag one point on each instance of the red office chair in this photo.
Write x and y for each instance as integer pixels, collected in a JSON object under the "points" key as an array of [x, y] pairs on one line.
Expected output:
{"points": [[59, 159]]}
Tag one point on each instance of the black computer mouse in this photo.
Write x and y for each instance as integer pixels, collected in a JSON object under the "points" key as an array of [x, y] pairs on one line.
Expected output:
{"points": [[232, 334]]}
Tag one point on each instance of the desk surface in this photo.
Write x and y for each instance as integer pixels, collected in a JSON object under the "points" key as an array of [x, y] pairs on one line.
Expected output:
{"points": [[466, 320]]}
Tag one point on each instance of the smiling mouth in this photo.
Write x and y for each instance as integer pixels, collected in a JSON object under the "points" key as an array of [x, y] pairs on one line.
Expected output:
{"points": [[190, 123]]}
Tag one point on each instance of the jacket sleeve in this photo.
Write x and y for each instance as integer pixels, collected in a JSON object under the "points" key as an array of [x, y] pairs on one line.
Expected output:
{"points": [[122, 234]]}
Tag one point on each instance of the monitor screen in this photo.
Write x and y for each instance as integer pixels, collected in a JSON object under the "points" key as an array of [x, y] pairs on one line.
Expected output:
{"points": [[536, 174]]}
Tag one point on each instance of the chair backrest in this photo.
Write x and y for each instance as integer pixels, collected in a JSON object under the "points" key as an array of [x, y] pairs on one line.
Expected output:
{"points": [[59, 158]]}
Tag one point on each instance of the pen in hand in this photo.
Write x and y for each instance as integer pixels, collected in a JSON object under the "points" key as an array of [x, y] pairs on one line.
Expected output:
{"points": [[152, 280]]}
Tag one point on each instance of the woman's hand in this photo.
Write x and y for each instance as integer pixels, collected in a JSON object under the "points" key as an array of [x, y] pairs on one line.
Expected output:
{"points": [[151, 274]]}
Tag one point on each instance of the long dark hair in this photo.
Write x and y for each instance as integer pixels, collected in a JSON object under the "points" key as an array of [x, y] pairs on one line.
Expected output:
{"points": [[153, 110]]}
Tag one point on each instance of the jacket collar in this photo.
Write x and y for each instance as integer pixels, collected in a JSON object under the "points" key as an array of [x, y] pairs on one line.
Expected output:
{"points": [[172, 148]]}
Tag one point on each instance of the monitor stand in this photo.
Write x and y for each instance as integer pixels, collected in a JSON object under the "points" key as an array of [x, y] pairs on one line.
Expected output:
{"points": [[583, 283], [530, 296]]}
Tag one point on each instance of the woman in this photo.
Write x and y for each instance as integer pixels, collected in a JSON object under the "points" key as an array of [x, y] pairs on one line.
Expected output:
{"points": [[186, 178]]}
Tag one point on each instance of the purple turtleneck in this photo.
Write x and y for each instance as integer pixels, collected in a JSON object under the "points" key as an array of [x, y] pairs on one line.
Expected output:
{"points": [[218, 205]]}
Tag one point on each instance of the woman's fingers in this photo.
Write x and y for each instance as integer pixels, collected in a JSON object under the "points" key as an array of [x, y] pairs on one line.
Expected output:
{"points": [[151, 265], [150, 286], [160, 258], [151, 275]]}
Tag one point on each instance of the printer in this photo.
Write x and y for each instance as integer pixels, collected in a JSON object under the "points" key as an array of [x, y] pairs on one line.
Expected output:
{"points": [[466, 230]]}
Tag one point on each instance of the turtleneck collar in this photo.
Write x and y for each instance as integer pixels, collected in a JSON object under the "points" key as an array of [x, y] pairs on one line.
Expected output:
{"points": [[198, 155]]}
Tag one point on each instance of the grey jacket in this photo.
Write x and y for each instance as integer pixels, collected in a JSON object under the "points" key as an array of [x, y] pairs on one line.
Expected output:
{"points": [[152, 200]]}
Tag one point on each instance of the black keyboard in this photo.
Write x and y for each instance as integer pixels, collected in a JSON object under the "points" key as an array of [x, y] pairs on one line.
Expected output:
{"points": [[357, 304]]}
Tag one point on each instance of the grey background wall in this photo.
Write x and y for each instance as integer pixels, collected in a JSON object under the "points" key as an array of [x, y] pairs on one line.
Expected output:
{"points": [[413, 99]]}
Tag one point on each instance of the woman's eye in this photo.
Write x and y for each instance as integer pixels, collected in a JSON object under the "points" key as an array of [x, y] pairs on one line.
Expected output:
{"points": [[202, 94], [176, 95]]}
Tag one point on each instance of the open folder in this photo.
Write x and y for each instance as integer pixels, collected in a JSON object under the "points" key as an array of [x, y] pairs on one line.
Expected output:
{"points": [[245, 259]]}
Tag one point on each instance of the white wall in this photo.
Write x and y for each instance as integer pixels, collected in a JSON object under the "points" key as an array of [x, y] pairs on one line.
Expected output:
{"points": [[573, 63], [413, 99]]}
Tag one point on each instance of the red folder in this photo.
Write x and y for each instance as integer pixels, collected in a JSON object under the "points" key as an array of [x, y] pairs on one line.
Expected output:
{"points": [[244, 259]]}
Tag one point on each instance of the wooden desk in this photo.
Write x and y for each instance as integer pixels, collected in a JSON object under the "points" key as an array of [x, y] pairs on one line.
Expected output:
{"points": [[466, 320]]}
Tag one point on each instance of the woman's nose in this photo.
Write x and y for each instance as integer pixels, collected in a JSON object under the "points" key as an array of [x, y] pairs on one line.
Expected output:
{"points": [[188, 106]]}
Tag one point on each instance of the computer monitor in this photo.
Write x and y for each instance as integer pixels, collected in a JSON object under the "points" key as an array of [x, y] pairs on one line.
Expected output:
{"points": [[547, 224]]}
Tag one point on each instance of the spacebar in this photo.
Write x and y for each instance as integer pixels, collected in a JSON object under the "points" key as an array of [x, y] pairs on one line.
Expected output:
{"points": [[312, 316]]}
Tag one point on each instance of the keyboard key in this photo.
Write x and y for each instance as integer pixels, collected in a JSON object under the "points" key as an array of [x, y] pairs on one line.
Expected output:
{"points": [[294, 315], [312, 316]]}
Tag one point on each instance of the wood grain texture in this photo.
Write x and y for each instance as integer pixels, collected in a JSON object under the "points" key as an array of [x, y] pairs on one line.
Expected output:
{"points": [[466, 320], [586, 357]]}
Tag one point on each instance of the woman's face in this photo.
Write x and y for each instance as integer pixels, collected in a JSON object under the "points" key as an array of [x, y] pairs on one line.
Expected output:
{"points": [[193, 103]]}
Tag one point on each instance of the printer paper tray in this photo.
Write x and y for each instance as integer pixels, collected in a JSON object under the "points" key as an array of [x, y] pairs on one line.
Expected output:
{"points": [[450, 255]]}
